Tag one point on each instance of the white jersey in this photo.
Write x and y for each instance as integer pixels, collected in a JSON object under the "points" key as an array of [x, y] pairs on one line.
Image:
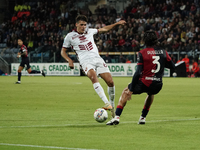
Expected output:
{"points": [[83, 44]]}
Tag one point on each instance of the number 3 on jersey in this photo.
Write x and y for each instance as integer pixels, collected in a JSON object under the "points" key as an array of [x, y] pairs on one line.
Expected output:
{"points": [[156, 58]]}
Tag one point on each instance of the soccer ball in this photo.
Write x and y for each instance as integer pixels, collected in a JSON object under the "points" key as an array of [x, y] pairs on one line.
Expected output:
{"points": [[100, 115], [174, 74]]}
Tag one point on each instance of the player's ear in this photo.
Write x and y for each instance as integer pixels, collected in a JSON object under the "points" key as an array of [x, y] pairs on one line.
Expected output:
{"points": [[76, 24]]}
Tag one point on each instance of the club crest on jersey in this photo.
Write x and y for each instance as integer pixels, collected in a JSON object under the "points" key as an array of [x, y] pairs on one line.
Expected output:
{"points": [[85, 69], [104, 65]]}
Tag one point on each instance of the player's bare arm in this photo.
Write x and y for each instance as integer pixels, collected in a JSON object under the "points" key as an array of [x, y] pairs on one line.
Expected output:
{"points": [[109, 27], [66, 57]]}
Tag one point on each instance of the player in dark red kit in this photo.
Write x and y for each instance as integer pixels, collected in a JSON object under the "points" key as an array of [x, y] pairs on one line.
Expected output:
{"points": [[23, 53], [148, 76]]}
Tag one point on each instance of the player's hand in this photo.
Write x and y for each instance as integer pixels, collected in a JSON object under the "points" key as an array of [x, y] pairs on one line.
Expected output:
{"points": [[122, 22], [71, 64], [18, 55]]}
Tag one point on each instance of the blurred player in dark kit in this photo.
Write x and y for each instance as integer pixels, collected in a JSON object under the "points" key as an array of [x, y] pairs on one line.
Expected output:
{"points": [[23, 53], [148, 76]]}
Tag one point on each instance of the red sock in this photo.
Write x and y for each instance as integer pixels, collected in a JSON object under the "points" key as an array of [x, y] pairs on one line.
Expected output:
{"points": [[119, 110]]}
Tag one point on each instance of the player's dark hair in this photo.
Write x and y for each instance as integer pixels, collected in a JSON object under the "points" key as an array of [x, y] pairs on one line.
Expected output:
{"points": [[20, 38], [81, 18], [150, 38]]}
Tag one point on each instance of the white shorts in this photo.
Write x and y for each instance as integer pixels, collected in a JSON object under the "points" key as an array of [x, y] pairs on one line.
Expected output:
{"points": [[97, 64]]}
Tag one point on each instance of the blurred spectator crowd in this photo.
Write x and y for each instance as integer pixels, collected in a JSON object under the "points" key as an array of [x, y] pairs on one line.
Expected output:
{"points": [[45, 24]]}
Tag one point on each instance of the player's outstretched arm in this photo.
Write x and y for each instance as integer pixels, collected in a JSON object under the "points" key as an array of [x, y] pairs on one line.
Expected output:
{"points": [[66, 57], [109, 27]]}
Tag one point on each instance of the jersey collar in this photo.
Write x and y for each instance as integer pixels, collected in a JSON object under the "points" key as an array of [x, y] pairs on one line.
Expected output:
{"points": [[75, 30]]}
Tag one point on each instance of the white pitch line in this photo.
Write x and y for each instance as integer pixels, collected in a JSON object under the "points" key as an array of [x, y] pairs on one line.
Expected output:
{"points": [[39, 146], [40, 126], [97, 124], [175, 120]]}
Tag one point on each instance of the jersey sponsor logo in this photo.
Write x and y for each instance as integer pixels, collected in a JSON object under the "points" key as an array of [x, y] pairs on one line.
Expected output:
{"points": [[87, 47], [82, 39]]}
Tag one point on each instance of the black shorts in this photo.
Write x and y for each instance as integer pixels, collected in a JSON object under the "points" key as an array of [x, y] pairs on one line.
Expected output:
{"points": [[140, 87], [25, 61]]}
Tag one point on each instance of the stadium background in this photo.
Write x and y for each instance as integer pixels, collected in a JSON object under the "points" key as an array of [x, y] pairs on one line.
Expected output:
{"points": [[57, 112], [44, 24]]}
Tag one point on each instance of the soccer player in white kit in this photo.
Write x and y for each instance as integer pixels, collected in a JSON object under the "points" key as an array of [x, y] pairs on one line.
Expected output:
{"points": [[82, 42]]}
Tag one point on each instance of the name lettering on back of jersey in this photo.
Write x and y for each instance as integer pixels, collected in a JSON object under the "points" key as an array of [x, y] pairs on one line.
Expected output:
{"points": [[87, 47], [155, 52]]}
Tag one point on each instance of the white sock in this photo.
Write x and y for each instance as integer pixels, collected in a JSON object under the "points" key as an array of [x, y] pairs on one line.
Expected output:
{"points": [[99, 90], [111, 93]]}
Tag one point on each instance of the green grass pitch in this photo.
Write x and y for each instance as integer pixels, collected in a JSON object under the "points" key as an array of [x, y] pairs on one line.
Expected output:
{"points": [[57, 113]]}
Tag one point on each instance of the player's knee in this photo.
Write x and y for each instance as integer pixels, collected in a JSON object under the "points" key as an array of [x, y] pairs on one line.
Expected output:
{"points": [[110, 83], [126, 93], [29, 70], [93, 79]]}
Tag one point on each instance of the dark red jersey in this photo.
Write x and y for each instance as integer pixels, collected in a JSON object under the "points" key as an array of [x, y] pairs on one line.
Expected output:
{"points": [[23, 49], [153, 61]]}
